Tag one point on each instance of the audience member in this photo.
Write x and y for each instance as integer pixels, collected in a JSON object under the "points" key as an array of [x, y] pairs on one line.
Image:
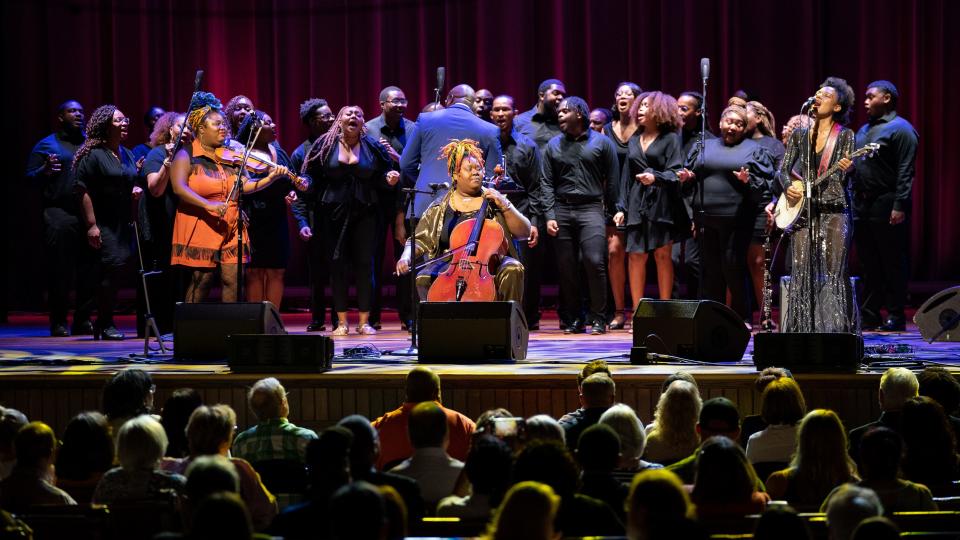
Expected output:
{"points": [[528, 512], [11, 420], [781, 522], [430, 465], [395, 513], [726, 484], [206, 476], [422, 384], [820, 463], [658, 507], [678, 375], [274, 437], [222, 516], [364, 451], [931, 448], [673, 434], [597, 394], [488, 468], [876, 528], [880, 452], [781, 406], [141, 444], [552, 464], [31, 481], [572, 418], [754, 422], [599, 454], [938, 384], [210, 432], [86, 453], [633, 441], [848, 507], [897, 385], [543, 427], [718, 417], [128, 394], [360, 511], [174, 416]]}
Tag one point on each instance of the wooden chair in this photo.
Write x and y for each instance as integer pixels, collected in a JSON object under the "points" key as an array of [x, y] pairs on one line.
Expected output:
{"points": [[87, 522]]}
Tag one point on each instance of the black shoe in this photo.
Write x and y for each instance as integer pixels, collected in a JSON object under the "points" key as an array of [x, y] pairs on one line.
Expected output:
{"points": [[110, 333], [59, 330], [598, 328], [82, 328], [376, 325], [576, 328], [316, 326], [893, 324]]}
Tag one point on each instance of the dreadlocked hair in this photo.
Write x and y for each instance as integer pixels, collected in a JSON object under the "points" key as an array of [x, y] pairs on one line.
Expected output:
{"points": [[320, 149], [456, 151], [767, 124], [202, 104], [98, 129], [232, 106]]}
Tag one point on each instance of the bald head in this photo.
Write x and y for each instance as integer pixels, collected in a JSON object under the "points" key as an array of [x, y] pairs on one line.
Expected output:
{"points": [[461, 93]]}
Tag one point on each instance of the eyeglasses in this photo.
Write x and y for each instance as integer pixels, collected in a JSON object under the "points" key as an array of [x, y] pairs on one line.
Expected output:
{"points": [[397, 101]]}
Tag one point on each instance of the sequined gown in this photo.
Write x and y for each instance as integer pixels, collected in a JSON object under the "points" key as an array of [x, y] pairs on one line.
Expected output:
{"points": [[826, 282]]}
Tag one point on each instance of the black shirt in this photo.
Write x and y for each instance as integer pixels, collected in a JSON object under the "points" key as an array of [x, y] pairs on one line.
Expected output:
{"points": [[397, 138], [109, 181], [157, 213], [659, 202], [350, 187], [58, 188], [523, 169], [539, 127], [884, 182], [724, 194], [579, 170]]}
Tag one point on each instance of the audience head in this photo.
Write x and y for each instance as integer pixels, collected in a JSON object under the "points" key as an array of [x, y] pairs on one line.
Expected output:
{"points": [[782, 403], [35, 446], [876, 528], [897, 385], [365, 446], [11, 420], [360, 511], [486, 417], [821, 460], [488, 467], [328, 458], [427, 426], [723, 472], [598, 449], [781, 522], [128, 393], [543, 427], [268, 400], [719, 416], [594, 366], [940, 385], [931, 445], [633, 438], [848, 506], [656, 500], [882, 97], [527, 512], [210, 429], [881, 450], [207, 475], [174, 417], [395, 513], [679, 375], [422, 384], [768, 375], [550, 463], [598, 391], [141, 443], [86, 447], [221, 516], [677, 413]]}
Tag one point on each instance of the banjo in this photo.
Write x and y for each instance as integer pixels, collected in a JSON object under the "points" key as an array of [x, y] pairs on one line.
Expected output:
{"points": [[789, 216]]}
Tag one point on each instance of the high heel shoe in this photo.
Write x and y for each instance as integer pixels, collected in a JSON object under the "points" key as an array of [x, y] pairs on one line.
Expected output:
{"points": [[109, 333], [618, 321]]}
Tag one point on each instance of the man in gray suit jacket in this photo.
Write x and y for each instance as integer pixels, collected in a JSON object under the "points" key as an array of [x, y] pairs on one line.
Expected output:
{"points": [[419, 163]]}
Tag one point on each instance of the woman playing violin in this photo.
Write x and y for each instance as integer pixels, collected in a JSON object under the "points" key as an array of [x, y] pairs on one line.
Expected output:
{"points": [[205, 227], [432, 238]]}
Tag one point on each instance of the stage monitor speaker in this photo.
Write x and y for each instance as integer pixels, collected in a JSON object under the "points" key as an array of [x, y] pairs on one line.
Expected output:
{"points": [[695, 329], [279, 353], [939, 316], [812, 352], [200, 330], [471, 332]]}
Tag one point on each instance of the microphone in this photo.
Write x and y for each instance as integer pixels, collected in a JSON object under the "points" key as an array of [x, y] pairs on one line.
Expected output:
{"points": [[197, 79], [704, 68], [441, 77], [810, 100], [437, 186]]}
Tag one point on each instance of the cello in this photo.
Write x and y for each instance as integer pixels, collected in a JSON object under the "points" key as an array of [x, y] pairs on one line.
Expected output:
{"points": [[468, 278]]}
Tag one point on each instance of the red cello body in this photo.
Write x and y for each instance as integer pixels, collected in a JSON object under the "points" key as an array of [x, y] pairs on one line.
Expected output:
{"points": [[468, 278]]}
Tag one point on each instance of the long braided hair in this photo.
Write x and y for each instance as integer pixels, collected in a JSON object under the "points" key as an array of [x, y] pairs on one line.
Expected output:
{"points": [[456, 151], [320, 149], [98, 130], [232, 106]]}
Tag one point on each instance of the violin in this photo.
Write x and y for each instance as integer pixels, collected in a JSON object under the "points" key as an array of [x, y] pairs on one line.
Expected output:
{"points": [[468, 277], [258, 162]]}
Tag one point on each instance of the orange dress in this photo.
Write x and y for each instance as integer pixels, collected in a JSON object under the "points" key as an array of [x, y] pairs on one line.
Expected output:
{"points": [[202, 239]]}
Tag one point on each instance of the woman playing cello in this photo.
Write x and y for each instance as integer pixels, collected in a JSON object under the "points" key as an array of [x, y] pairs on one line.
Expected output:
{"points": [[463, 201]]}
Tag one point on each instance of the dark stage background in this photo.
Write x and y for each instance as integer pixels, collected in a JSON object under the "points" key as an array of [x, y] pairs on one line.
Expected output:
{"points": [[135, 53]]}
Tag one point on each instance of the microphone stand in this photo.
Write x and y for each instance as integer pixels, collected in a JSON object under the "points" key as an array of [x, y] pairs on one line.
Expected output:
{"points": [[701, 159], [812, 154], [238, 193]]}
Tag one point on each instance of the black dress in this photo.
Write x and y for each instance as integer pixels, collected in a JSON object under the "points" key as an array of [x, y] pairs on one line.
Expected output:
{"points": [[267, 209], [655, 214], [623, 150], [110, 181]]}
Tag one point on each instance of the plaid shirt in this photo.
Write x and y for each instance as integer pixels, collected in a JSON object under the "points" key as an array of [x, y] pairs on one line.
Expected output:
{"points": [[273, 439]]}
